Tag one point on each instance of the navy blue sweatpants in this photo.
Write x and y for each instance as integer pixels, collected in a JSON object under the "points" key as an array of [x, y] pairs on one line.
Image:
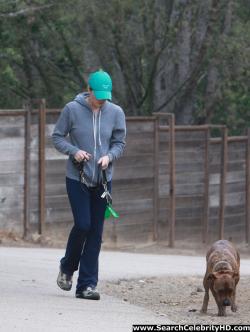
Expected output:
{"points": [[85, 238]]}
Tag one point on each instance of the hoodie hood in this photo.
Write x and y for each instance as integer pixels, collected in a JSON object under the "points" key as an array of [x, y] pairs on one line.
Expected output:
{"points": [[81, 99]]}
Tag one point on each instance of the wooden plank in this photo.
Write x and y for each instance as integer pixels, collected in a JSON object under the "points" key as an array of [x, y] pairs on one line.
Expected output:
{"points": [[27, 173], [134, 206], [52, 153], [172, 180], [232, 177], [186, 128], [11, 219], [181, 136], [11, 204], [12, 121], [232, 139], [133, 173], [184, 157], [50, 189], [139, 147], [137, 136], [231, 199], [237, 166], [229, 211], [232, 155], [134, 235], [182, 167], [10, 133], [181, 145], [11, 112], [235, 187], [206, 188], [247, 186], [232, 221], [184, 212], [12, 179], [183, 178], [184, 201], [41, 196], [236, 145], [183, 189], [12, 154], [136, 127], [138, 219], [9, 191], [172, 162], [134, 232], [156, 180], [53, 216], [235, 199], [12, 142]]}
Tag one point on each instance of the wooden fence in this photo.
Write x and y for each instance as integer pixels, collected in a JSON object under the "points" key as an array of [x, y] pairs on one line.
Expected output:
{"points": [[173, 182]]}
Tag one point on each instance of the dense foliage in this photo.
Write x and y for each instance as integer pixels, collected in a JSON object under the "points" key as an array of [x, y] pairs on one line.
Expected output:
{"points": [[187, 57]]}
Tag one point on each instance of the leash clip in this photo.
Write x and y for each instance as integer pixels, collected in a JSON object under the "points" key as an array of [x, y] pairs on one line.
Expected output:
{"points": [[106, 194]]}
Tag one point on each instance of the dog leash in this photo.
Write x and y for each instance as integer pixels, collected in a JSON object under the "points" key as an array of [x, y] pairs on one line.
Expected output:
{"points": [[80, 167], [109, 212], [106, 193]]}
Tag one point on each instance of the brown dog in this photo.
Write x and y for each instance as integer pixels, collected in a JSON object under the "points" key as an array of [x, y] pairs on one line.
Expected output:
{"points": [[222, 276]]}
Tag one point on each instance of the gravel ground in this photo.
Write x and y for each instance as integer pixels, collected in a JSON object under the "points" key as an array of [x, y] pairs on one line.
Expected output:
{"points": [[179, 299]]}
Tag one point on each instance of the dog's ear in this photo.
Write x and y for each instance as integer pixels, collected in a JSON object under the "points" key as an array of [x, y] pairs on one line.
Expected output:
{"points": [[236, 275], [211, 277], [215, 275]]}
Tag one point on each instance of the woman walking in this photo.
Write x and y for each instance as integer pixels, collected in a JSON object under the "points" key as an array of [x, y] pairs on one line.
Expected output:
{"points": [[97, 130]]}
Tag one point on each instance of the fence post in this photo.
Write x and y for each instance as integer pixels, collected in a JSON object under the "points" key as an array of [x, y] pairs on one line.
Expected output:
{"points": [[223, 174], [206, 187], [42, 123], [26, 212], [247, 203], [172, 179], [156, 178]]}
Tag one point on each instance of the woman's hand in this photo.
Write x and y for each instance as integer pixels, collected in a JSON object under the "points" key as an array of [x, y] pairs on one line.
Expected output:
{"points": [[82, 155], [104, 162]]}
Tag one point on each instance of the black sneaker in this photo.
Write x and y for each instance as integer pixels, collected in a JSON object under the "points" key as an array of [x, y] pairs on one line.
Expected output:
{"points": [[64, 281], [90, 293]]}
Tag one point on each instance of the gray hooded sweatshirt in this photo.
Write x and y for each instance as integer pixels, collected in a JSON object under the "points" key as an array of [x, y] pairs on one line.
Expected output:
{"points": [[99, 134]]}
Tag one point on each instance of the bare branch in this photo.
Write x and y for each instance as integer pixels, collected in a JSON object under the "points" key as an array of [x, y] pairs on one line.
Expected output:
{"points": [[25, 11]]}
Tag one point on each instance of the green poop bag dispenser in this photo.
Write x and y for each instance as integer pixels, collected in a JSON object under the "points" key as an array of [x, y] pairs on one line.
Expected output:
{"points": [[109, 212]]}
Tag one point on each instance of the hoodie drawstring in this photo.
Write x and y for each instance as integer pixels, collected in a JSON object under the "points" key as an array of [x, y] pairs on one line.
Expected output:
{"points": [[94, 132], [95, 115], [95, 128], [100, 115]]}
